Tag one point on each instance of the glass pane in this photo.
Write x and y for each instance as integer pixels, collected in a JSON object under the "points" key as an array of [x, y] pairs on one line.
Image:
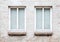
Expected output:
{"points": [[47, 18], [21, 18], [39, 18], [13, 17]]}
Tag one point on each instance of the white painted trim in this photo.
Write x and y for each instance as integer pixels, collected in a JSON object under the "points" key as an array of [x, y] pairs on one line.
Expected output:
{"points": [[35, 20], [51, 18], [17, 19], [18, 30], [9, 19], [42, 18], [25, 18], [44, 30]]}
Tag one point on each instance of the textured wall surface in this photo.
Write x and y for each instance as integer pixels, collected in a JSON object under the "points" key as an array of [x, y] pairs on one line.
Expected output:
{"points": [[30, 12]]}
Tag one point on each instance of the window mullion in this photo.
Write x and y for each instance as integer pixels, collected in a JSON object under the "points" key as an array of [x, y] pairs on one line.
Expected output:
{"points": [[43, 19], [17, 18]]}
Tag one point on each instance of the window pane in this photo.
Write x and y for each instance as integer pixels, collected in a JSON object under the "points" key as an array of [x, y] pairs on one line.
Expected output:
{"points": [[47, 18], [21, 18], [13, 17], [39, 18]]}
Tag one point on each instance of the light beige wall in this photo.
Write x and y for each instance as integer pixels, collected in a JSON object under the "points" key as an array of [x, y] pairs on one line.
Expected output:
{"points": [[30, 12]]}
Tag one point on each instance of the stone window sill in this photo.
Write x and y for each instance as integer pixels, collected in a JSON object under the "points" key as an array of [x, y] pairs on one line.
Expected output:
{"points": [[16, 33], [43, 33]]}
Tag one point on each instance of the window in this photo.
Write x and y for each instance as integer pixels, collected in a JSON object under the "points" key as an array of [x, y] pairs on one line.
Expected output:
{"points": [[43, 20], [17, 20]]}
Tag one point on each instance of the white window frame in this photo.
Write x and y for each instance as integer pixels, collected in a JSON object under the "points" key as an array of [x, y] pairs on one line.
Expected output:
{"points": [[17, 30], [43, 30]]}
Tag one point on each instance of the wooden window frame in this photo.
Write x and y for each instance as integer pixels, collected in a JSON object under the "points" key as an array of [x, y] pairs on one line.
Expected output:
{"points": [[43, 31], [17, 31]]}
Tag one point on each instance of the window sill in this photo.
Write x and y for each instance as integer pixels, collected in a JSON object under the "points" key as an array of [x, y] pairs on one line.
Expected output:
{"points": [[43, 33], [16, 33]]}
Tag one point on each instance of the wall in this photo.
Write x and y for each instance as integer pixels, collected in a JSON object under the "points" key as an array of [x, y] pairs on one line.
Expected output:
{"points": [[30, 37]]}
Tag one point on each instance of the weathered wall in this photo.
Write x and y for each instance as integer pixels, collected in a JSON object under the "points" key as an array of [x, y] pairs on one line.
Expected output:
{"points": [[30, 11]]}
